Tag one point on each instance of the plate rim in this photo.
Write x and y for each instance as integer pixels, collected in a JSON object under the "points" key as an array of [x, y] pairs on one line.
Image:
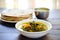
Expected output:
{"points": [[8, 21]]}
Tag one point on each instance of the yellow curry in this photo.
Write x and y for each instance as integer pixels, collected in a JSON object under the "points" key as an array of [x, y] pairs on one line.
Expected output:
{"points": [[34, 26]]}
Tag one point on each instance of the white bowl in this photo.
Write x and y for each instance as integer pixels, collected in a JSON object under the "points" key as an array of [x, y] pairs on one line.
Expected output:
{"points": [[33, 34]]}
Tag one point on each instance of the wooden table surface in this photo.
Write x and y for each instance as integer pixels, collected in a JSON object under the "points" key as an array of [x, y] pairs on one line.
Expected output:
{"points": [[8, 31]]}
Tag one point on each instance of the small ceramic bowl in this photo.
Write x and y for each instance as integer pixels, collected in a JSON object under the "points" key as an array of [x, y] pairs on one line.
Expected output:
{"points": [[33, 34]]}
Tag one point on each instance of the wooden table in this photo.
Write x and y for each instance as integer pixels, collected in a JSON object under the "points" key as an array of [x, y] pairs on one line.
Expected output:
{"points": [[8, 31]]}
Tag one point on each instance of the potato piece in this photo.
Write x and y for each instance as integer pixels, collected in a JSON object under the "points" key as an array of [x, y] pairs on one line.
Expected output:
{"points": [[27, 25]]}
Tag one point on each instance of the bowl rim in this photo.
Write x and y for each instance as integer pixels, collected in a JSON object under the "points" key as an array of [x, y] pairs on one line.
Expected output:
{"points": [[33, 32]]}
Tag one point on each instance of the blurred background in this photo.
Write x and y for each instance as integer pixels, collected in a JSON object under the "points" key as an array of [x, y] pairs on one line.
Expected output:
{"points": [[8, 31], [25, 4]]}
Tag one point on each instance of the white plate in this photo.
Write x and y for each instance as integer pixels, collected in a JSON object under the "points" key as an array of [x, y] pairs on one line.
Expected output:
{"points": [[9, 21]]}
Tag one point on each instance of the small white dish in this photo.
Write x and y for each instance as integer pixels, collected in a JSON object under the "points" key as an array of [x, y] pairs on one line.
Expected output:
{"points": [[33, 34]]}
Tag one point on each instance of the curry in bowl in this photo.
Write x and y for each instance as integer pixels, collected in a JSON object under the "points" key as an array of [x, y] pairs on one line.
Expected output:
{"points": [[34, 26]]}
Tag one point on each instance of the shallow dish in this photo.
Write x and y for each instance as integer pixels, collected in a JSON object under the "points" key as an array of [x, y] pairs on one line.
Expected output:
{"points": [[33, 34]]}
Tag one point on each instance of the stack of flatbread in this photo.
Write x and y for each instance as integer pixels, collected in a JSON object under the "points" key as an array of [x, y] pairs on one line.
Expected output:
{"points": [[15, 15]]}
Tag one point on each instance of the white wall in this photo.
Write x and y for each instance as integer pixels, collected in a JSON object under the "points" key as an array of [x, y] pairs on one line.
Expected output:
{"points": [[32, 4], [44, 3], [56, 4], [2, 3]]}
